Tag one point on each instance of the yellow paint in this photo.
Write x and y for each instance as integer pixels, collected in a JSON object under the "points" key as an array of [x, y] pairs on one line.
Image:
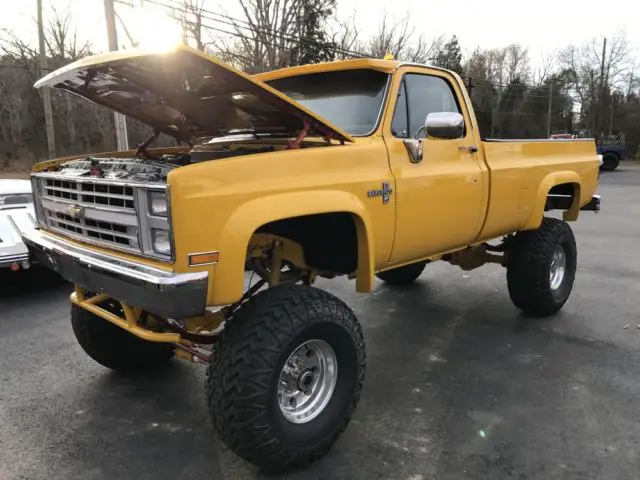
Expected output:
{"points": [[452, 199], [207, 322], [441, 201], [531, 169], [129, 323], [260, 243], [233, 205], [387, 66]]}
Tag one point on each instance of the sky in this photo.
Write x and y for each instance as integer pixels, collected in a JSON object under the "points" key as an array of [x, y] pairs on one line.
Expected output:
{"points": [[543, 26]]}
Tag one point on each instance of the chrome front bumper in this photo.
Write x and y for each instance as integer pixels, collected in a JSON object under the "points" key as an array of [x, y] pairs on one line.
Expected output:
{"points": [[165, 293]]}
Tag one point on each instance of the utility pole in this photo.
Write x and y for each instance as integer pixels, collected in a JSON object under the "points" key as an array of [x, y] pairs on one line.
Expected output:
{"points": [[120, 120], [46, 93], [549, 110], [611, 118], [602, 85]]}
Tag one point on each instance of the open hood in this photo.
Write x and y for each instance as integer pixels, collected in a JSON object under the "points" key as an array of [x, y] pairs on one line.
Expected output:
{"points": [[187, 94]]}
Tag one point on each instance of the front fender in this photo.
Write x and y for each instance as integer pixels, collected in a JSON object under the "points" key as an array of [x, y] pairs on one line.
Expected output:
{"points": [[548, 182], [228, 281]]}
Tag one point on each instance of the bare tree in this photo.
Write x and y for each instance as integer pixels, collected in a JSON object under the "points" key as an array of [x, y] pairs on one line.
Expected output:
{"points": [[345, 36], [594, 76], [398, 39], [190, 15], [279, 33], [516, 62], [62, 40], [548, 66]]}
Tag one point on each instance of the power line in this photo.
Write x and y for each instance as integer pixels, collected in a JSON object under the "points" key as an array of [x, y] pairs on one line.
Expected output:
{"points": [[527, 93], [507, 85], [240, 24], [24, 67]]}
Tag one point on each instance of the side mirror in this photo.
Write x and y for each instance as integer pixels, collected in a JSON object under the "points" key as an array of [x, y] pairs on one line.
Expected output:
{"points": [[444, 125]]}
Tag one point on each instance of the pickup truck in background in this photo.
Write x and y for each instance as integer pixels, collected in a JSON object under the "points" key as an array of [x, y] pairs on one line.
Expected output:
{"points": [[361, 168], [612, 149], [612, 154]]}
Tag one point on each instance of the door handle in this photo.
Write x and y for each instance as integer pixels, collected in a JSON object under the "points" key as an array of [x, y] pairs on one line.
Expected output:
{"points": [[469, 149]]}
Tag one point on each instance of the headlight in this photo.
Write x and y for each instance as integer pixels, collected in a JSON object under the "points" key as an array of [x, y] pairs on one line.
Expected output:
{"points": [[158, 204], [160, 241]]}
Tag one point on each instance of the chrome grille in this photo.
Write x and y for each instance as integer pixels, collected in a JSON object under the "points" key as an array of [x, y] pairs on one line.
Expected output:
{"points": [[102, 231], [90, 194], [100, 211]]}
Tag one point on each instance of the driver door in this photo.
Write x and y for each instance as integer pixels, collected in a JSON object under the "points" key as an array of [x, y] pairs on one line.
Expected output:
{"points": [[441, 198]]}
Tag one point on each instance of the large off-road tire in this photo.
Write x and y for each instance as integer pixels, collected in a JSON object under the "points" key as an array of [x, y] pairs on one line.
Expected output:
{"points": [[402, 276], [271, 345], [541, 267], [610, 162], [115, 348]]}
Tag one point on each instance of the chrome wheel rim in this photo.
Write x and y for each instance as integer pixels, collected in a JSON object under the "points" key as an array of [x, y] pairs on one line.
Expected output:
{"points": [[558, 268], [307, 381]]}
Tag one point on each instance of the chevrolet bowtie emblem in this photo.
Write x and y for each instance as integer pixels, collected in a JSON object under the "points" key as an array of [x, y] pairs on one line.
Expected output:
{"points": [[75, 211]]}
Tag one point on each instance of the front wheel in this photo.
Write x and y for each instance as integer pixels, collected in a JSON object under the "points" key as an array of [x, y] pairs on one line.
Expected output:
{"points": [[541, 267], [286, 377], [113, 347]]}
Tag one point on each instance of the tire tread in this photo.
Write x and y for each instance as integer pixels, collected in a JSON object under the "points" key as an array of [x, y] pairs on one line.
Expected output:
{"points": [[240, 370], [527, 267]]}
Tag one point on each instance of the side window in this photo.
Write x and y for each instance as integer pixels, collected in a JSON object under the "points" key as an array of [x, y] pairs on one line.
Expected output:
{"points": [[399, 124], [425, 94]]}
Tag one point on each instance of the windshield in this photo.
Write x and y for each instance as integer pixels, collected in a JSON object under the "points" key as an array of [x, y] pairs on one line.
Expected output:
{"points": [[350, 99]]}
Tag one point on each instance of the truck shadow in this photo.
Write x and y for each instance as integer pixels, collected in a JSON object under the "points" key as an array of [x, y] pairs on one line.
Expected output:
{"points": [[34, 281]]}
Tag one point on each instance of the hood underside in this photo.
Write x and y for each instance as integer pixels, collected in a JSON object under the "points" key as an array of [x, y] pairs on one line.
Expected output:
{"points": [[187, 94]]}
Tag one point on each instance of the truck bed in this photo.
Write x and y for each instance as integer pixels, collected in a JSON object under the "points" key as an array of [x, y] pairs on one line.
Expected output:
{"points": [[524, 170]]}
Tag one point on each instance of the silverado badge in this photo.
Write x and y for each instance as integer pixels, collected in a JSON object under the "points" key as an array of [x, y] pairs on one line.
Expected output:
{"points": [[75, 211], [384, 192]]}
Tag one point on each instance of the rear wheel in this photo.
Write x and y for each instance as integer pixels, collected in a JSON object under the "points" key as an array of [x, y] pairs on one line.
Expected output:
{"points": [[402, 276], [113, 347], [610, 162], [541, 267], [286, 377]]}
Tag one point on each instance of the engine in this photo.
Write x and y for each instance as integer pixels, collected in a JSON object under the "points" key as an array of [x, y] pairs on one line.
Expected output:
{"points": [[129, 169]]}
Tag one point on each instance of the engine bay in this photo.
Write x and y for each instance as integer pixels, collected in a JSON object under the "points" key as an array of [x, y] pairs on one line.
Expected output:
{"points": [[153, 168], [150, 167]]}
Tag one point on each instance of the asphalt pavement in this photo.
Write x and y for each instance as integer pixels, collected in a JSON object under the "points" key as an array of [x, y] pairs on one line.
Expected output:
{"points": [[459, 384]]}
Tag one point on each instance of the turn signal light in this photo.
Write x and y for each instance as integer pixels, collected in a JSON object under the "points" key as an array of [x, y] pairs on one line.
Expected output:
{"points": [[205, 258]]}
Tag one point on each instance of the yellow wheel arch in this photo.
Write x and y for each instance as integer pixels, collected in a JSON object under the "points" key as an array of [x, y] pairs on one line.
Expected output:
{"points": [[550, 181], [249, 217]]}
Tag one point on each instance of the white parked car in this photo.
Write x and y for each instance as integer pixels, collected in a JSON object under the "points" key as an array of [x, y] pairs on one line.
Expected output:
{"points": [[16, 216]]}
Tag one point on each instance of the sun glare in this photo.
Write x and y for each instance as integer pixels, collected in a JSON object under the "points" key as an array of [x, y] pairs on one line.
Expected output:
{"points": [[156, 31]]}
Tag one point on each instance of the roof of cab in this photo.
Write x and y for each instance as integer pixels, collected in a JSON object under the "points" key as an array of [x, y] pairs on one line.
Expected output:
{"points": [[387, 66]]}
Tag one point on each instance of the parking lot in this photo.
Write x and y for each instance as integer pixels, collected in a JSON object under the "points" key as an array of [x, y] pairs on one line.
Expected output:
{"points": [[459, 385]]}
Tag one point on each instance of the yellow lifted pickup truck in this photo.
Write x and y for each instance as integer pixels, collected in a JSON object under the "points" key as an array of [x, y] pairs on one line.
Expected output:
{"points": [[360, 168]]}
